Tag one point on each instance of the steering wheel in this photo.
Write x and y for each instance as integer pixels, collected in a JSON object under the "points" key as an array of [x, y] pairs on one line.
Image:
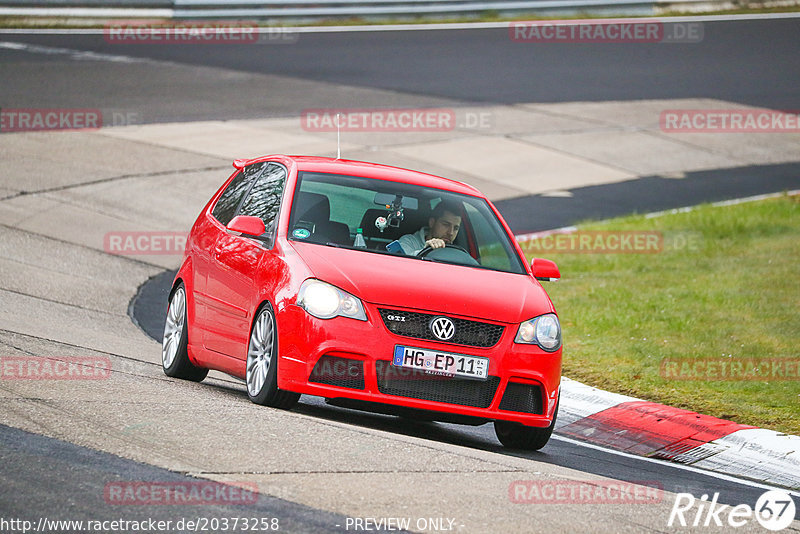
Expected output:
{"points": [[456, 254]]}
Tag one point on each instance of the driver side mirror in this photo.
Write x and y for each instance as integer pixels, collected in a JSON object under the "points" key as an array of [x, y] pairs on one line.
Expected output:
{"points": [[247, 225], [545, 270]]}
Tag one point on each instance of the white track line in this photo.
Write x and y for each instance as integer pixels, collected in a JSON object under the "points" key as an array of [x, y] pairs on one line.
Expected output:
{"points": [[71, 53], [697, 470], [422, 27]]}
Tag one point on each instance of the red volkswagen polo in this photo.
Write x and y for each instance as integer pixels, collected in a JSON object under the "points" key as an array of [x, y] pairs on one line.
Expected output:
{"points": [[372, 286]]}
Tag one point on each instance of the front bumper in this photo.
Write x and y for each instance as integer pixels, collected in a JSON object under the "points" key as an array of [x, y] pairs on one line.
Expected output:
{"points": [[343, 358]]}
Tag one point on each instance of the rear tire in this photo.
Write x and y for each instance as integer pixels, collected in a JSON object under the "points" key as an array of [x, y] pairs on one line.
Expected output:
{"points": [[262, 363], [518, 436], [174, 345]]}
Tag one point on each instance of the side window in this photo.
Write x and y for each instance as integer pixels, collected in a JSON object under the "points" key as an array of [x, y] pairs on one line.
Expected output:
{"points": [[233, 194], [264, 199], [490, 247]]}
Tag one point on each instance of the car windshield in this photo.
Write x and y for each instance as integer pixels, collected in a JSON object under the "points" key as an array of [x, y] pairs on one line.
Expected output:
{"points": [[394, 218]]}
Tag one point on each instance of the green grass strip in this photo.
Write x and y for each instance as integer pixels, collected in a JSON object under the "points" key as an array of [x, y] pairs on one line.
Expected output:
{"points": [[722, 287]]}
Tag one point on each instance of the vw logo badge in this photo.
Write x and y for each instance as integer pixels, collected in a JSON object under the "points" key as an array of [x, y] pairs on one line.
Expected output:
{"points": [[443, 328]]}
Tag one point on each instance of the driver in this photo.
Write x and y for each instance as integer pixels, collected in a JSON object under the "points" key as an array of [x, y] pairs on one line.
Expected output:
{"points": [[444, 224]]}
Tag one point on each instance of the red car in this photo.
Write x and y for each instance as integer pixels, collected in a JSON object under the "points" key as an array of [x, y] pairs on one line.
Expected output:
{"points": [[297, 278]]}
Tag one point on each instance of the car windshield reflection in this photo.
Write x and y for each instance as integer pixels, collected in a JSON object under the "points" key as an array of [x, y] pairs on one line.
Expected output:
{"points": [[400, 219]]}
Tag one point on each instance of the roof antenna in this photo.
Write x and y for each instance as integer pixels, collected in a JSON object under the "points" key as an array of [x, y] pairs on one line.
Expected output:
{"points": [[338, 146]]}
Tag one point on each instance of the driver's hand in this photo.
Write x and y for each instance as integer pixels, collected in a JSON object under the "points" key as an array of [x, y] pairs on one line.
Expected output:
{"points": [[435, 243]]}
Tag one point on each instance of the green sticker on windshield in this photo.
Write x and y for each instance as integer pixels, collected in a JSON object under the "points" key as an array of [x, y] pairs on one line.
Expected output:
{"points": [[301, 233]]}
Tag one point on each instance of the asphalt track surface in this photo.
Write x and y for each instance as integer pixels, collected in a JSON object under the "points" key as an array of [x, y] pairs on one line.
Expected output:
{"points": [[148, 309], [45, 477], [468, 66], [753, 62]]}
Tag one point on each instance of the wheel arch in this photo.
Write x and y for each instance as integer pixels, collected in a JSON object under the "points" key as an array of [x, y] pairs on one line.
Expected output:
{"points": [[262, 303]]}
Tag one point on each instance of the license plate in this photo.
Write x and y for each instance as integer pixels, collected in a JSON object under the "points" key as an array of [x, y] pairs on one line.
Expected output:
{"points": [[441, 363]]}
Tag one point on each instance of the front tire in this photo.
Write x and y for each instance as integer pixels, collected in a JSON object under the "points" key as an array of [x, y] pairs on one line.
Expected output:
{"points": [[174, 345], [262, 363], [518, 436]]}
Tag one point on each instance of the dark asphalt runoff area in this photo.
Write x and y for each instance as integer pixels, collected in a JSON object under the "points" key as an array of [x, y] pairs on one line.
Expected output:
{"points": [[752, 62], [647, 194]]}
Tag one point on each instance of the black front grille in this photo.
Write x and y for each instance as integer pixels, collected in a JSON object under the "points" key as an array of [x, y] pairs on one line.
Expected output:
{"points": [[523, 398], [342, 372], [417, 384], [469, 333]]}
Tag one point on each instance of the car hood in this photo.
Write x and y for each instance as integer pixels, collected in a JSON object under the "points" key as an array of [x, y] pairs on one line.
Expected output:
{"points": [[425, 285]]}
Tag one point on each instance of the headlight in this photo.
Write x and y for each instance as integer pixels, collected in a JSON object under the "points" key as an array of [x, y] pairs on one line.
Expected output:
{"points": [[325, 301], [544, 331]]}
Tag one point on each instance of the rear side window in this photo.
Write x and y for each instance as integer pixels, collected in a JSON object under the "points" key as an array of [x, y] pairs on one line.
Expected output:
{"points": [[230, 199]]}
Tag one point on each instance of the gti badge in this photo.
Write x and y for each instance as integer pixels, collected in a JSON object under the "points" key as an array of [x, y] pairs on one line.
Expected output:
{"points": [[443, 328]]}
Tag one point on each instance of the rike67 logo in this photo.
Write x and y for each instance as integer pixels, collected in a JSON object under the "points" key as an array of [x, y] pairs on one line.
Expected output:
{"points": [[774, 510]]}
